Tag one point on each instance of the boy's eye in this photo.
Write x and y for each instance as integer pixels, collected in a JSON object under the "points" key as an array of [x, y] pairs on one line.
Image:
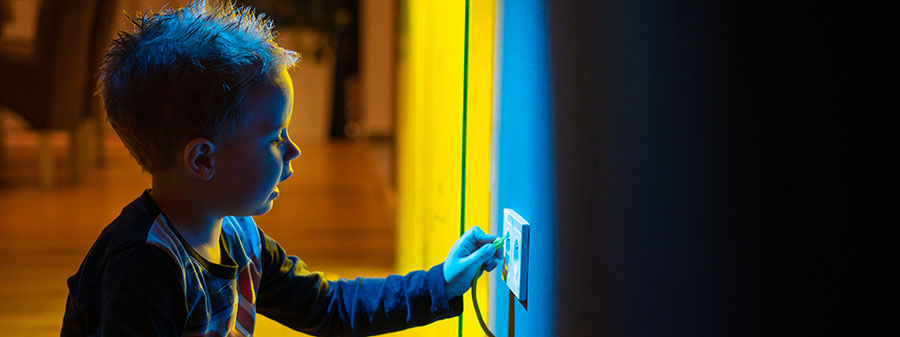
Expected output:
{"points": [[278, 141]]}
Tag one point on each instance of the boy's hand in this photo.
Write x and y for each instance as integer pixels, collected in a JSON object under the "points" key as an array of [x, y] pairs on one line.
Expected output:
{"points": [[468, 254]]}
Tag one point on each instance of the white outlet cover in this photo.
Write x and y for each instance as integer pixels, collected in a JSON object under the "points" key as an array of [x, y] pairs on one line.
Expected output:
{"points": [[515, 253]]}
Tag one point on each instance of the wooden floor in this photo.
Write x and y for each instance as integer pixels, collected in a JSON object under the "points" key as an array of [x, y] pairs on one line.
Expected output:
{"points": [[336, 213]]}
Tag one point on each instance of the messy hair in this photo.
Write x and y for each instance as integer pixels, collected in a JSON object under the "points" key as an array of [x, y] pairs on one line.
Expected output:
{"points": [[184, 73]]}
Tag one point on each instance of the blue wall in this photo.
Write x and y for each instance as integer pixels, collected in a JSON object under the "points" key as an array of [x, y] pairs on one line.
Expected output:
{"points": [[522, 162]]}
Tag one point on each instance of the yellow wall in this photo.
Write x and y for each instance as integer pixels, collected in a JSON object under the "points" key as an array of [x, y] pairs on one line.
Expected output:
{"points": [[429, 131]]}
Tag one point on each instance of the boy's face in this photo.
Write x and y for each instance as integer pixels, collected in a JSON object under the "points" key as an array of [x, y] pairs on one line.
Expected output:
{"points": [[248, 170]]}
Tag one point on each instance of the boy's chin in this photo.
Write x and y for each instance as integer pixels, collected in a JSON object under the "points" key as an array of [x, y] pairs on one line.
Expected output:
{"points": [[255, 208], [265, 208], [262, 209]]}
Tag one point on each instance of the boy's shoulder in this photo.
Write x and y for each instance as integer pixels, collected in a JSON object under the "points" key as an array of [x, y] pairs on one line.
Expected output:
{"points": [[127, 232], [130, 228], [141, 231]]}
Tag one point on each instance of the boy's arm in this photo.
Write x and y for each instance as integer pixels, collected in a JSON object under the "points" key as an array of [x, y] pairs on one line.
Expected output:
{"points": [[302, 300], [141, 295]]}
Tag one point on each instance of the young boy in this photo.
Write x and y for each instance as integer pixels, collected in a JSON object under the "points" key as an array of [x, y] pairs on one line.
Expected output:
{"points": [[201, 98]]}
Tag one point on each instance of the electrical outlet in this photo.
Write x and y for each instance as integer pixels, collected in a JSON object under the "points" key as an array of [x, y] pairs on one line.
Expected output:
{"points": [[515, 253]]}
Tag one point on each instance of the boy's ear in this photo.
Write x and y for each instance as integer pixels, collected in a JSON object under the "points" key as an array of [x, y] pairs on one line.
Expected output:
{"points": [[199, 159]]}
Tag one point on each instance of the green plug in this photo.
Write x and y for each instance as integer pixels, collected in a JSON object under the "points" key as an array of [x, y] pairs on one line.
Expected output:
{"points": [[498, 242]]}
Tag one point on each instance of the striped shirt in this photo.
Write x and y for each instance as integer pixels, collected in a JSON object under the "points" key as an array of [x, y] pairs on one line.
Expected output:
{"points": [[141, 278]]}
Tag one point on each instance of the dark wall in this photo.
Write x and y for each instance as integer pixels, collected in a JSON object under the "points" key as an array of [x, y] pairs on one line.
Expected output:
{"points": [[699, 151]]}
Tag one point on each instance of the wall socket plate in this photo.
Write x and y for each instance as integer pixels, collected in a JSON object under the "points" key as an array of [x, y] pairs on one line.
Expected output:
{"points": [[515, 253]]}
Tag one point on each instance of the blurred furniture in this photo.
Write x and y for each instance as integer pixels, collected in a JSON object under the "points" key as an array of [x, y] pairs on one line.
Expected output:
{"points": [[5, 14], [102, 32], [50, 82]]}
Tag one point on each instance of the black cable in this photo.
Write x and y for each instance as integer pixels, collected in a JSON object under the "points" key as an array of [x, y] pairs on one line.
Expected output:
{"points": [[484, 327]]}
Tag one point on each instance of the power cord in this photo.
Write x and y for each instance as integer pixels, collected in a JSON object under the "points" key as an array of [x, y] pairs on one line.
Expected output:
{"points": [[487, 332], [498, 244]]}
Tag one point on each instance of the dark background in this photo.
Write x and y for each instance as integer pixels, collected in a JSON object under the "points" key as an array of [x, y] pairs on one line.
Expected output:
{"points": [[700, 151]]}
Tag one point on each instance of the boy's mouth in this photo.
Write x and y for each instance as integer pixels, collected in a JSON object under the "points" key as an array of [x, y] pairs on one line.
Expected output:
{"points": [[275, 193]]}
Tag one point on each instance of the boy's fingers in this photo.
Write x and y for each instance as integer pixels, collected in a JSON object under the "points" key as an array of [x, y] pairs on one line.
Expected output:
{"points": [[475, 235], [489, 240], [480, 236], [474, 231], [490, 265], [479, 256], [485, 253]]}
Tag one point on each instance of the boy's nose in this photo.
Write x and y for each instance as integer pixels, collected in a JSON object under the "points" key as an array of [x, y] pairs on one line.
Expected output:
{"points": [[293, 151]]}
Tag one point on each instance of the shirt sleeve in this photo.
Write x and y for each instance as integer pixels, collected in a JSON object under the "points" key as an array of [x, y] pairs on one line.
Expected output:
{"points": [[141, 294], [304, 301]]}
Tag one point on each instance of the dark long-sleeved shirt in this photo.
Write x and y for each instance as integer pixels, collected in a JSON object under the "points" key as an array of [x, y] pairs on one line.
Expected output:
{"points": [[140, 278]]}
